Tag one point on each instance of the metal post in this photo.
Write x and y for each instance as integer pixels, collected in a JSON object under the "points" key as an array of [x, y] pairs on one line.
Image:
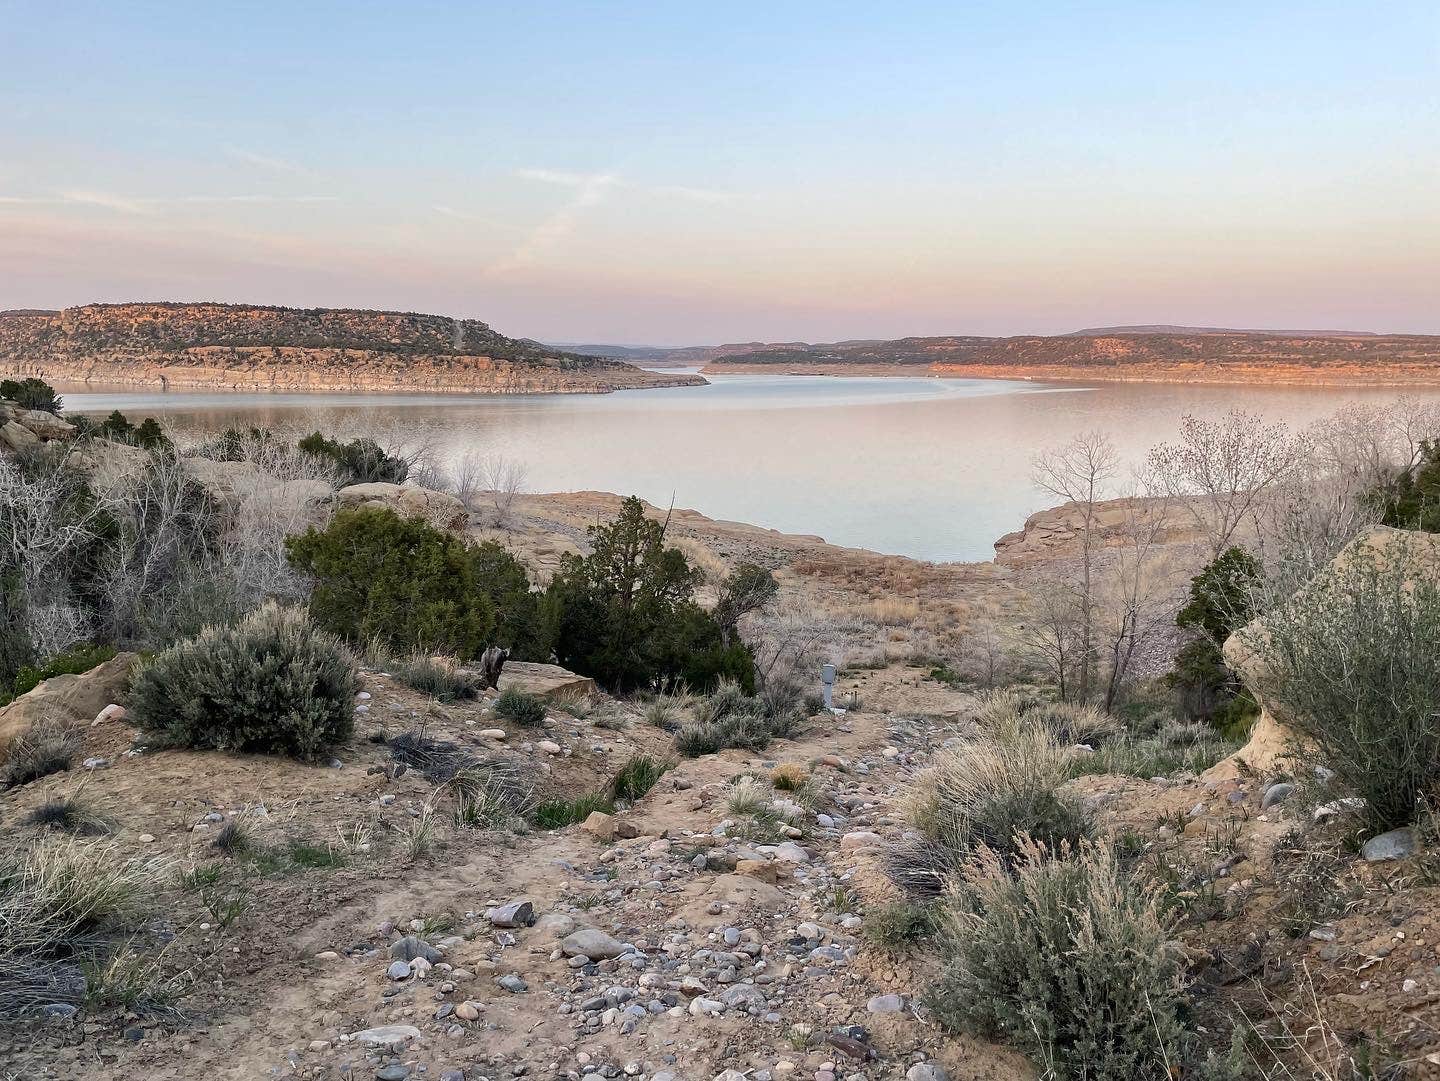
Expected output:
{"points": [[827, 684]]}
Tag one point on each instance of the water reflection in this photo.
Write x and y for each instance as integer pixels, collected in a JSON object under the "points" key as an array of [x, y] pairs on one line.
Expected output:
{"points": [[931, 468]]}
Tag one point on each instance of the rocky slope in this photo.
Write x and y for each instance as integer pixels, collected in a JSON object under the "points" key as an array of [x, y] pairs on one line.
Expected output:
{"points": [[250, 347]]}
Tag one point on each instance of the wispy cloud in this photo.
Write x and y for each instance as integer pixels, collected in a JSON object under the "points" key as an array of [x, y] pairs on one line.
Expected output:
{"points": [[124, 204], [266, 161], [590, 189], [678, 191], [105, 200]]}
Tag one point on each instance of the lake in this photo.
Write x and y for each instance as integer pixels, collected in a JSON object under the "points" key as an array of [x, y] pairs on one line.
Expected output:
{"points": [[936, 469]]}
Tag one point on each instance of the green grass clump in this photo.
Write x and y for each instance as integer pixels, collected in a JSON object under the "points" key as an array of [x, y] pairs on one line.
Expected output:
{"points": [[637, 776], [899, 927], [520, 707], [554, 814], [440, 678]]}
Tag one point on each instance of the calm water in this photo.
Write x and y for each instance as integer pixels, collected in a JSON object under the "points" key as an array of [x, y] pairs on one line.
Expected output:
{"points": [[931, 468]]}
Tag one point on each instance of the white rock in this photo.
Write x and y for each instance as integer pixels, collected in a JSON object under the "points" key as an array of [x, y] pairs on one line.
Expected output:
{"points": [[391, 1036]]}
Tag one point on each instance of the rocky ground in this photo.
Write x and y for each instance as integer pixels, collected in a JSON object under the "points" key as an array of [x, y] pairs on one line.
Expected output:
{"points": [[677, 938]]}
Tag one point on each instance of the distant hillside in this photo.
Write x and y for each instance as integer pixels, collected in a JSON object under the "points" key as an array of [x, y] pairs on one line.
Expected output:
{"points": [[236, 346], [1164, 329], [677, 357], [1126, 353]]}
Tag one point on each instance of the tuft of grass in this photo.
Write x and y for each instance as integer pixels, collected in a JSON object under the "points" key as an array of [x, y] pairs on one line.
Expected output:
{"points": [[419, 835], [899, 927], [439, 677], [790, 776], [491, 796], [748, 796], [226, 903], [1154, 757], [553, 814], [520, 707], [133, 979], [436, 923], [637, 776], [59, 890], [201, 877], [235, 838], [920, 866], [841, 899], [307, 856], [579, 706], [662, 714], [1000, 788], [70, 814], [48, 746]]}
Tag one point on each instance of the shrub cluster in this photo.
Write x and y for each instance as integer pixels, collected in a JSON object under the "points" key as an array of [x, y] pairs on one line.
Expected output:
{"points": [[360, 461], [118, 428], [1352, 668], [402, 583], [31, 393], [1220, 603], [273, 683], [731, 718], [625, 614], [1071, 960]]}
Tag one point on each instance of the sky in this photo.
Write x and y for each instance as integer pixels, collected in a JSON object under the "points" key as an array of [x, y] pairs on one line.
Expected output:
{"points": [[685, 173]]}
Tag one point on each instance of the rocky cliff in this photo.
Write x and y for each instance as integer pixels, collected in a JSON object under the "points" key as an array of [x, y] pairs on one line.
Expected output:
{"points": [[1124, 354], [245, 347]]}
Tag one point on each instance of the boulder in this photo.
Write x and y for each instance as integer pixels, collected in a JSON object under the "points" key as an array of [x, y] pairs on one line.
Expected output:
{"points": [[45, 426], [1272, 738], [17, 437], [593, 943], [440, 509], [237, 486], [1396, 845], [69, 698]]}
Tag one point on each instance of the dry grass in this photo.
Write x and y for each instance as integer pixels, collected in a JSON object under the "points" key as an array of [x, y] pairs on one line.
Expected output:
{"points": [[48, 746], [748, 796], [58, 889], [790, 776], [999, 786]]}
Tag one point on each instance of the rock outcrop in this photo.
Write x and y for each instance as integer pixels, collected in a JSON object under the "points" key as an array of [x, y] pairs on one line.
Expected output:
{"points": [[1272, 737], [440, 509], [75, 699], [251, 347], [25, 429]]}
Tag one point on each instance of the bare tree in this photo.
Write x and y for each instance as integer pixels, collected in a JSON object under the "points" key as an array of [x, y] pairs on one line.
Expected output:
{"points": [[1080, 473], [489, 484], [1134, 603], [47, 521], [1223, 471], [1052, 638]]}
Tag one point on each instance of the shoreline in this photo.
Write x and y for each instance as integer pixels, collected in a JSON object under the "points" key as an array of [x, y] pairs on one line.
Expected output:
{"points": [[1238, 375]]}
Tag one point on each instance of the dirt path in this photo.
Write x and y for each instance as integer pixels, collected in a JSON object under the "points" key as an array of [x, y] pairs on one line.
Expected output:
{"points": [[742, 937]]}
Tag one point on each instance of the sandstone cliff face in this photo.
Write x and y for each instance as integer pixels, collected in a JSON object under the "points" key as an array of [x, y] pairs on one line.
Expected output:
{"points": [[235, 347]]}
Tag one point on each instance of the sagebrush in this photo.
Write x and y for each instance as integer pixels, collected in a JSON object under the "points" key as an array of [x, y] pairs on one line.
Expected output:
{"points": [[273, 684]]}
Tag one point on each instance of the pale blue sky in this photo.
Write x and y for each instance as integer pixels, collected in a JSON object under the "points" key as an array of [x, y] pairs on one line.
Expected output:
{"points": [[684, 173]]}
